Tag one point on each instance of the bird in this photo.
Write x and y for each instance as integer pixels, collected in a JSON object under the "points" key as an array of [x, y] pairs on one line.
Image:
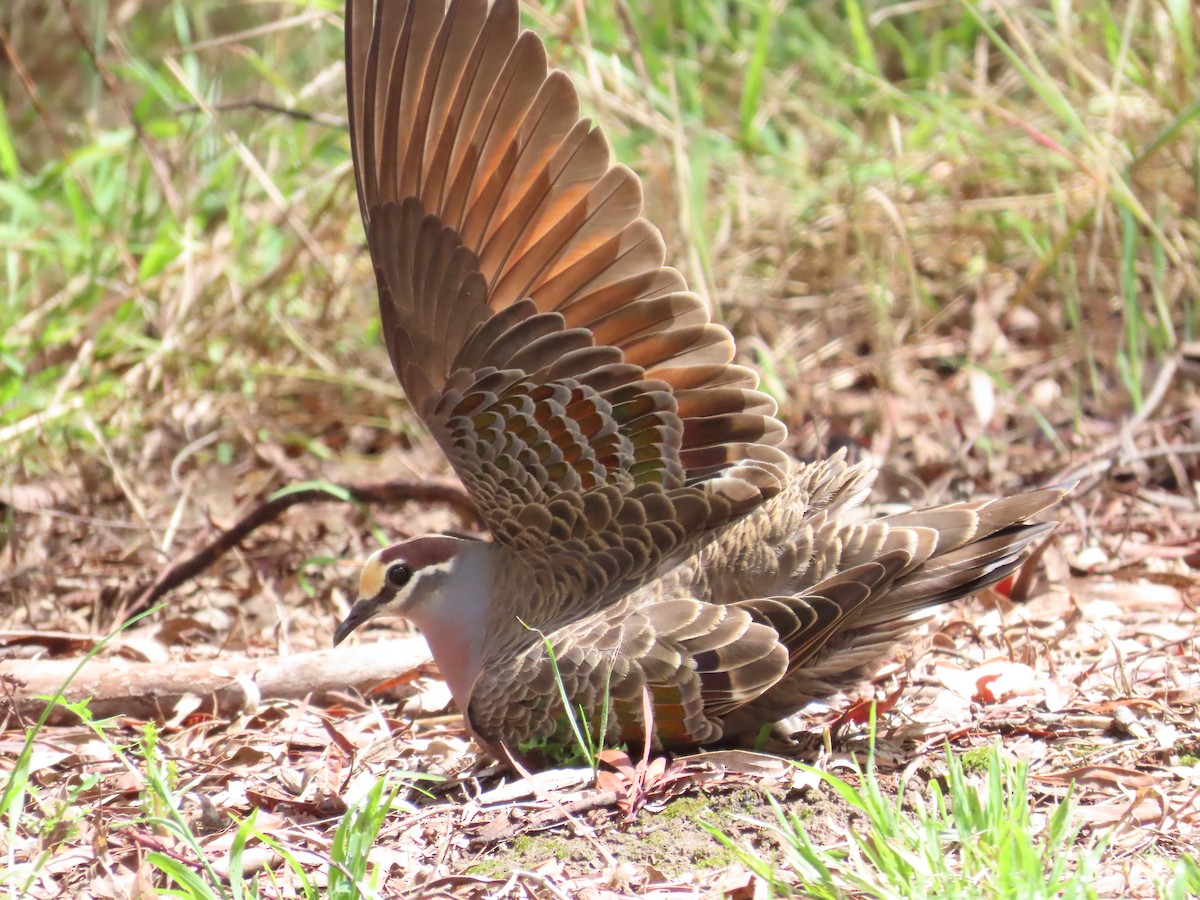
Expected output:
{"points": [[650, 541]]}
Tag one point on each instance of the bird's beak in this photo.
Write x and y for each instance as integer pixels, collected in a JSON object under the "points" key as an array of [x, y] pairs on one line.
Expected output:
{"points": [[359, 613]]}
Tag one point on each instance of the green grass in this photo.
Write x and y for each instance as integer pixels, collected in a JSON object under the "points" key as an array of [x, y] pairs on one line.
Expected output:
{"points": [[122, 254], [349, 872], [979, 836], [143, 261]]}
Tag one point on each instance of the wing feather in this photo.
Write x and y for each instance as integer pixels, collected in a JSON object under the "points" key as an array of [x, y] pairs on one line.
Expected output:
{"points": [[528, 312]]}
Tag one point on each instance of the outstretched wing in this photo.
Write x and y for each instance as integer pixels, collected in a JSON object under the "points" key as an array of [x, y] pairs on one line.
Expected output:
{"points": [[578, 388]]}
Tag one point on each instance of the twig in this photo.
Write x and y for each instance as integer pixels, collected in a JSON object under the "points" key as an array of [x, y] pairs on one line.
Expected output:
{"points": [[299, 115], [539, 880], [283, 206], [1023, 584], [402, 490]]}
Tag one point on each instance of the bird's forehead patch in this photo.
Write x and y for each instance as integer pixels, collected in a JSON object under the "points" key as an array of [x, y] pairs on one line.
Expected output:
{"points": [[370, 580]]}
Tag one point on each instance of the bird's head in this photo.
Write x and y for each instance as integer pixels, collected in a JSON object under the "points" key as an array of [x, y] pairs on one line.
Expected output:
{"points": [[441, 584], [414, 579]]}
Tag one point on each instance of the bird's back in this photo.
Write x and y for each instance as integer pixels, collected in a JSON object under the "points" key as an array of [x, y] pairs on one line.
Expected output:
{"points": [[796, 601]]}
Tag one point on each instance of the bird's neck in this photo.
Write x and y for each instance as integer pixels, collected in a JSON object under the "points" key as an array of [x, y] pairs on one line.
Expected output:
{"points": [[455, 624]]}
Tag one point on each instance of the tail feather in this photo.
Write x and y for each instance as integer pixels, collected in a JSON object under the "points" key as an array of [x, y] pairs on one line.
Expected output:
{"points": [[960, 573], [832, 594], [837, 629]]}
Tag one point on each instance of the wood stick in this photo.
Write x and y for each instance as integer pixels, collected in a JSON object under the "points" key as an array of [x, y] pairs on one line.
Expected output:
{"points": [[223, 687]]}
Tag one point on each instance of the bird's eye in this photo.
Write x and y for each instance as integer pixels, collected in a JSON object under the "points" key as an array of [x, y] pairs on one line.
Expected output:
{"points": [[399, 575]]}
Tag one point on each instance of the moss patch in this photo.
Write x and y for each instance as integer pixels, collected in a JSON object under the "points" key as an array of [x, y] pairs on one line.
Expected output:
{"points": [[976, 759]]}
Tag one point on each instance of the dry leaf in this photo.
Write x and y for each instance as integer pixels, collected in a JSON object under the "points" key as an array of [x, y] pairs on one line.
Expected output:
{"points": [[1101, 777]]}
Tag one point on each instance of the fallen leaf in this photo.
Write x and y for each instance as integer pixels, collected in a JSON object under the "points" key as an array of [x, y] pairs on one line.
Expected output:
{"points": [[992, 682], [1101, 777]]}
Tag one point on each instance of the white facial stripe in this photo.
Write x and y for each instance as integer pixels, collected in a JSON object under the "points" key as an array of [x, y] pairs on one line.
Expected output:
{"points": [[430, 575]]}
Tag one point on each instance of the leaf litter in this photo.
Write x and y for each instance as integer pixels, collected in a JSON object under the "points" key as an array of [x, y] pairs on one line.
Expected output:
{"points": [[1094, 678]]}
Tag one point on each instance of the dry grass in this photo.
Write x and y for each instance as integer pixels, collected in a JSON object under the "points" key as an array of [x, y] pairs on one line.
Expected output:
{"points": [[961, 238]]}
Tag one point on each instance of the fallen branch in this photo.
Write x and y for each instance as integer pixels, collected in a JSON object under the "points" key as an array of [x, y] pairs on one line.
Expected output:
{"points": [[438, 491], [221, 687]]}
